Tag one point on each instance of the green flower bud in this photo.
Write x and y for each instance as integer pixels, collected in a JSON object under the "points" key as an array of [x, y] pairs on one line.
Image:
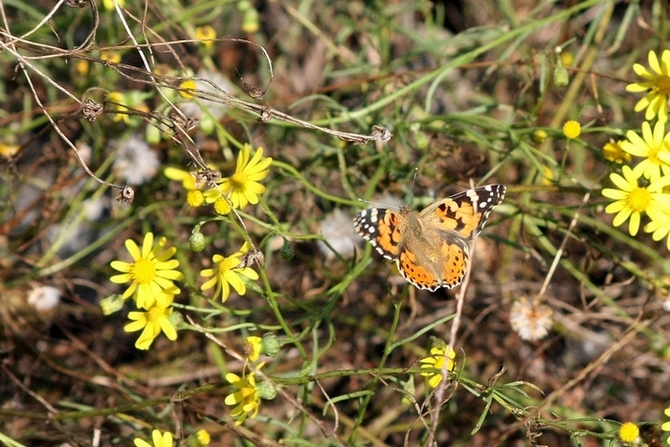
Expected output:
{"points": [[266, 390], [153, 135], [207, 124], [409, 392], [244, 5], [197, 240], [270, 345], [539, 136], [561, 76], [176, 318], [250, 23], [287, 252], [111, 304], [421, 139]]}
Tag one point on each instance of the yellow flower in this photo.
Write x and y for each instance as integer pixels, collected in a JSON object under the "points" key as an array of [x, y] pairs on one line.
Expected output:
{"points": [[629, 432], [226, 273], [164, 440], [151, 272], [82, 67], [547, 175], [654, 146], [117, 100], [185, 177], [631, 200], [666, 425], [245, 400], [222, 206], [243, 186], [111, 56], [656, 85], [567, 58], [109, 4], [187, 89], [9, 150], [572, 129], [434, 363], [205, 34], [613, 152], [202, 437], [253, 347], [659, 226], [195, 198], [212, 195], [151, 322], [539, 136]]}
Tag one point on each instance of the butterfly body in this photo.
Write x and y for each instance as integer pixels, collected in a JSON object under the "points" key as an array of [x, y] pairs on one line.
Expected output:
{"points": [[431, 247]]}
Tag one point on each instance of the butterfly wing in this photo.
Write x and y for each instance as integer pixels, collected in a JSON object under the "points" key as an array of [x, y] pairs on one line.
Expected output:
{"points": [[382, 228], [454, 222], [447, 270], [431, 247], [466, 212]]}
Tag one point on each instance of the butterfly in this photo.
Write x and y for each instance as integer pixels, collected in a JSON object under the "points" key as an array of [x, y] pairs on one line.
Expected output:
{"points": [[431, 247]]}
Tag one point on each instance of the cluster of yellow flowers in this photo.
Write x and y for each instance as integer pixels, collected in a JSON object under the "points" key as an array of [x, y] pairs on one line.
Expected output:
{"points": [[640, 189], [236, 191], [153, 271], [246, 399], [152, 274]]}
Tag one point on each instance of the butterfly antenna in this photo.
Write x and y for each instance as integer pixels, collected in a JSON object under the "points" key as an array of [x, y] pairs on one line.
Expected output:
{"points": [[378, 204], [411, 189]]}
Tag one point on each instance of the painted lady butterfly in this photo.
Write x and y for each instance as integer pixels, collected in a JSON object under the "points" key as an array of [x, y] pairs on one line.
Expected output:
{"points": [[431, 247]]}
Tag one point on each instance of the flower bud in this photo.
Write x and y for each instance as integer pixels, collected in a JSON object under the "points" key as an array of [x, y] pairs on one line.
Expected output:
{"points": [[197, 240], [270, 345], [287, 252], [266, 390]]}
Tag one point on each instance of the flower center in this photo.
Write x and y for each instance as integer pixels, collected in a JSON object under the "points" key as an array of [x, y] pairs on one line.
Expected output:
{"points": [[238, 179], [228, 264], [639, 199], [653, 155], [662, 85], [155, 313], [144, 271]]}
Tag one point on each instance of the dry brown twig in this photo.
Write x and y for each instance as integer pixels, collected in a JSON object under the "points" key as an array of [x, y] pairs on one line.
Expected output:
{"points": [[90, 109]]}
